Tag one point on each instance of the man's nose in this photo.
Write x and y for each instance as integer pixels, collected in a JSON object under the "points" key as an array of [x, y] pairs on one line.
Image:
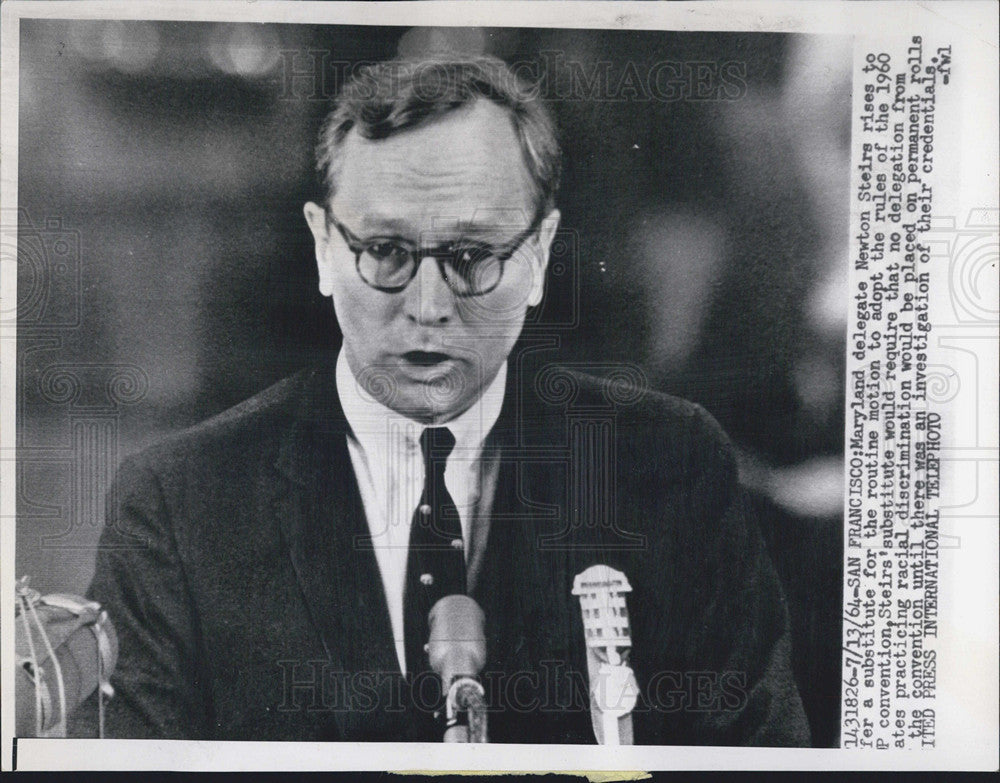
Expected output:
{"points": [[429, 300]]}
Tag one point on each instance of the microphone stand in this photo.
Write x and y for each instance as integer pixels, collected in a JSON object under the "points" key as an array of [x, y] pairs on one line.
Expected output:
{"points": [[465, 711]]}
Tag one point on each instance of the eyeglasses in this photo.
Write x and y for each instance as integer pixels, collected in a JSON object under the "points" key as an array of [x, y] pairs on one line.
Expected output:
{"points": [[469, 267]]}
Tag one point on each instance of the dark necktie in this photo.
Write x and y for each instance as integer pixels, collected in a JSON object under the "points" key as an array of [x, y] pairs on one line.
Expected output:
{"points": [[435, 565]]}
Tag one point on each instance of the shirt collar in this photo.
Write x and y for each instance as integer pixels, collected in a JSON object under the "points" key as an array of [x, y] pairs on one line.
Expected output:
{"points": [[373, 424]]}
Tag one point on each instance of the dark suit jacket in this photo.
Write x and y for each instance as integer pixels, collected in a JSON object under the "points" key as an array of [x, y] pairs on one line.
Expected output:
{"points": [[234, 568]]}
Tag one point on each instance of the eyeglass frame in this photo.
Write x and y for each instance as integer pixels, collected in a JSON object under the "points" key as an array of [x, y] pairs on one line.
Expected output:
{"points": [[440, 254]]}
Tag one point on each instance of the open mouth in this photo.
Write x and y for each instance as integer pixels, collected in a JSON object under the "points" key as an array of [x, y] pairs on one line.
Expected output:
{"points": [[425, 358]]}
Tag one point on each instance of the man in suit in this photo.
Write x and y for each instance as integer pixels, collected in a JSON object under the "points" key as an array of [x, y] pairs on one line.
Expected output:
{"points": [[270, 571]]}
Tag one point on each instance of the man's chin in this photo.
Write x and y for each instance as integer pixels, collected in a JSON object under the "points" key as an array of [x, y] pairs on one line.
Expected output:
{"points": [[432, 402]]}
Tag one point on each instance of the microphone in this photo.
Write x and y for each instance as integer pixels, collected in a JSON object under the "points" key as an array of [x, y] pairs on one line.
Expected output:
{"points": [[66, 647], [613, 689], [456, 650]]}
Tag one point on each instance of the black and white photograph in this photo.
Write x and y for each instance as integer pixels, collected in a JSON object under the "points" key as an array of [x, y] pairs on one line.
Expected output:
{"points": [[407, 383]]}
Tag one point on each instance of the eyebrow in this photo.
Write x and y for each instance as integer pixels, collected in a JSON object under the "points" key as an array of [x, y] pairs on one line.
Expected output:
{"points": [[385, 226], [392, 228]]}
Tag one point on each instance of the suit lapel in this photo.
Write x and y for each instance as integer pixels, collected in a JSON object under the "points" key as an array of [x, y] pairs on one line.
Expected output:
{"points": [[324, 524], [532, 625]]}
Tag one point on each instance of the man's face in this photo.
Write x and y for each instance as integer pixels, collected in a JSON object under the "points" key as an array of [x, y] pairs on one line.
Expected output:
{"points": [[424, 351]]}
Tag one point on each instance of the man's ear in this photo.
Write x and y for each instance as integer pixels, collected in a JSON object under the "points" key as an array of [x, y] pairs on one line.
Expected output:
{"points": [[316, 218], [546, 233]]}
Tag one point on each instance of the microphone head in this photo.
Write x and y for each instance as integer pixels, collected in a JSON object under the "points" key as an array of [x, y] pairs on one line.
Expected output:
{"points": [[85, 648], [457, 644]]}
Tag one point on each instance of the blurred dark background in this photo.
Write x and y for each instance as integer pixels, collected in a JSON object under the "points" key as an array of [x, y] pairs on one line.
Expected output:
{"points": [[166, 272]]}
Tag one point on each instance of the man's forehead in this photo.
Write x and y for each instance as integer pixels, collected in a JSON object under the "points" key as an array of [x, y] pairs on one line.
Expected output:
{"points": [[463, 168]]}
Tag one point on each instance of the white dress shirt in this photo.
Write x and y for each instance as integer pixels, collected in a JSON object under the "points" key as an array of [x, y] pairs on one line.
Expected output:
{"points": [[389, 465]]}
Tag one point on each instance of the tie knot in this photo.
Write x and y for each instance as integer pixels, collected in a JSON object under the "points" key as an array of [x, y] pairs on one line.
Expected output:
{"points": [[436, 443]]}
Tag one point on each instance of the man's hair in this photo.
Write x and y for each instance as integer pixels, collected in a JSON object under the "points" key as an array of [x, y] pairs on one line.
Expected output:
{"points": [[389, 97]]}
